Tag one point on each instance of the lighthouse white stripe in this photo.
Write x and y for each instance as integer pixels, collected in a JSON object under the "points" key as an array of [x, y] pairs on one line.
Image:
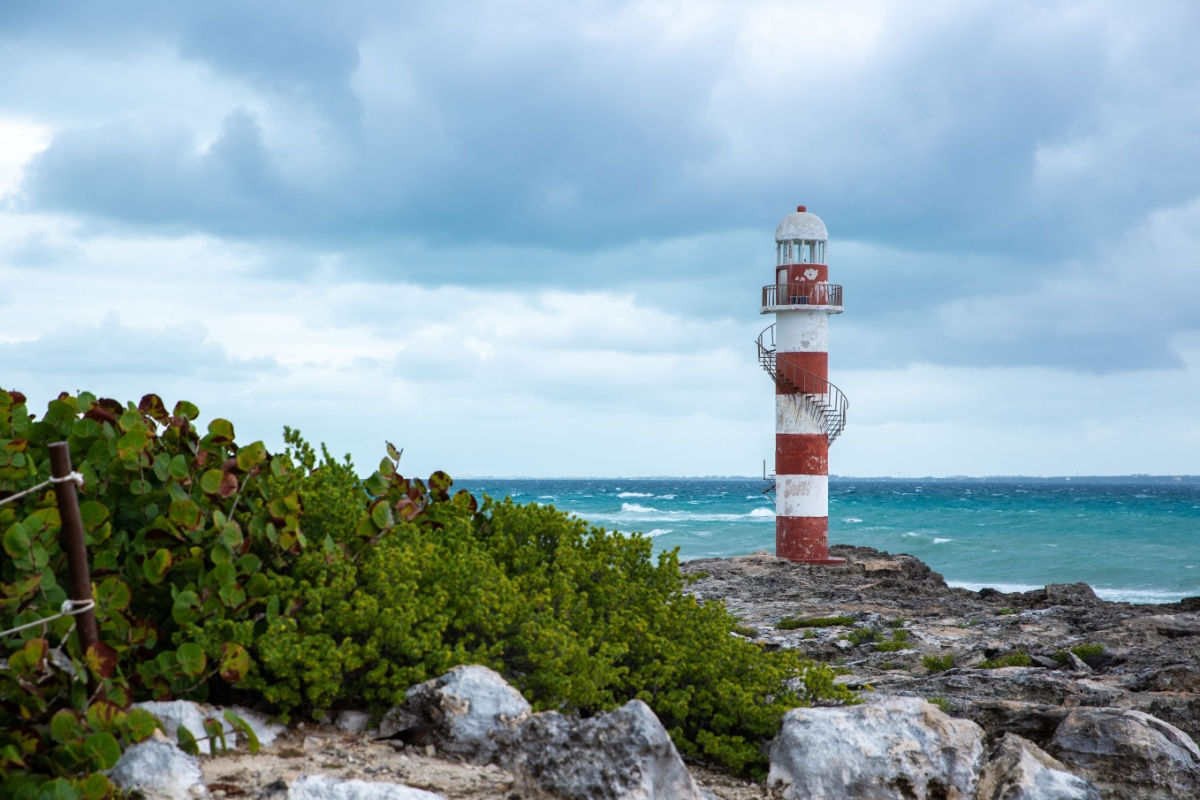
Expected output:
{"points": [[802, 332], [793, 415], [802, 495]]}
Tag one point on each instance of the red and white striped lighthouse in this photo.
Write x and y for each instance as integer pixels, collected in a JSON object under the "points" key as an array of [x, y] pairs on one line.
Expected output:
{"points": [[810, 412]]}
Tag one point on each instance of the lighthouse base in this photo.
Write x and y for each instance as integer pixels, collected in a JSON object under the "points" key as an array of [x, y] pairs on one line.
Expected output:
{"points": [[805, 540]]}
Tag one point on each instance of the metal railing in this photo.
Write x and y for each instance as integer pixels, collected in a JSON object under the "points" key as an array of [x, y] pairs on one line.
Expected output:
{"points": [[824, 402], [814, 294]]}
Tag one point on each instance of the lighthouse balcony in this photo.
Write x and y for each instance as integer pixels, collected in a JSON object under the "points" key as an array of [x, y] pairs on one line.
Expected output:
{"points": [[809, 296]]}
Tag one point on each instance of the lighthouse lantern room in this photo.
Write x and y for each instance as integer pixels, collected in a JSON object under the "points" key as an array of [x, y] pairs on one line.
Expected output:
{"points": [[810, 412]]}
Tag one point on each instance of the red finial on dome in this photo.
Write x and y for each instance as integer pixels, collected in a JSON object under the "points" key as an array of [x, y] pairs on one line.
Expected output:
{"points": [[801, 209]]}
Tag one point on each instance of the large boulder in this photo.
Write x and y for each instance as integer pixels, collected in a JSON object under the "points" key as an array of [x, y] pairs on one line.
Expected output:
{"points": [[622, 755], [460, 713], [899, 747], [1020, 770], [159, 770], [1128, 754]]}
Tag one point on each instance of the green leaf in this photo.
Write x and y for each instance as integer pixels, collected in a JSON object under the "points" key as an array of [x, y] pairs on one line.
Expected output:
{"points": [[251, 455], [393, 453], [58, 789], [103, 749], [65, 726], [216, 733], [243, 727], [185, 607], [186, 514], [140, 724], [178, 467], [96, 786], [113, 594], [16, 541], [235, 662], [191, 659], [187, 742], [186, 410], [130, 420], [220, 431], [161, 464], [132, 443], [210, 481], [381, 514], [155, 567], [93, 514]]}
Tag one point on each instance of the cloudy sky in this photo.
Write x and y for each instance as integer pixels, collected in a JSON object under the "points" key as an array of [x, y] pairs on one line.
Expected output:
{"points": [[528, 238]]}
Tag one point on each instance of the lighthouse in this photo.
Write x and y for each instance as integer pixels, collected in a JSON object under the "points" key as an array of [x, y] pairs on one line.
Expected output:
{"points": [[810, 412]]}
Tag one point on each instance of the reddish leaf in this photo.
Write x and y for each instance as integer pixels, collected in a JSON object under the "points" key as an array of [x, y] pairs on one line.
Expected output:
{"points": [[152, 406], [101, 415], [16, 396], [101, 660], [229, 485], [235, 662]]}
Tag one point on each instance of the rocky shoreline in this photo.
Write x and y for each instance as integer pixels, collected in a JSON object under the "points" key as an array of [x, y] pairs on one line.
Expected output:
{"points": [[1110, 690]]}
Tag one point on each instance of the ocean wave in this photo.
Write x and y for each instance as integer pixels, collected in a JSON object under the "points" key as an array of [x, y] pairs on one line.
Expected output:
{"points": [[657, 532], [851, 519], [634, 508], [761, 512], [665, 497], [941, 540], [635, 494], [633, 514]]}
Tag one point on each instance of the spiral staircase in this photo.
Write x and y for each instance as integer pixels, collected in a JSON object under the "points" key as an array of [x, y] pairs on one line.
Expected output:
{"points": [[823, 402]]}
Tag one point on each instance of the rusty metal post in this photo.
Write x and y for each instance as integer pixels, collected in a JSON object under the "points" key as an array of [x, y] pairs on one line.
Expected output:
{"points": [[73, 544]]}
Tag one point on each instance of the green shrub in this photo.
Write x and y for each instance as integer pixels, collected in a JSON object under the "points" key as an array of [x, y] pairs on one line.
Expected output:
{"points": [[899, 641], [941, 703], [1090, 653], [227, 573], [1017, 659], [792, 623], [938, 663], [861, 636]]}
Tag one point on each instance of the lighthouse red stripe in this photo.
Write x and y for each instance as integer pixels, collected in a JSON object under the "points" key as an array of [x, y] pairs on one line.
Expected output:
{"points": [[801, 454], [802, 538], [790, 367]]}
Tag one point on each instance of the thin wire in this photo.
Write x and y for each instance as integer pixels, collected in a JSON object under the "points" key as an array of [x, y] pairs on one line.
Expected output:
{"points": [[70, 476], [69, 608]]}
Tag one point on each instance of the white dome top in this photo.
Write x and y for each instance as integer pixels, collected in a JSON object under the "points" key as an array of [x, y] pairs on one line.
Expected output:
{"points": [[801, 225]]}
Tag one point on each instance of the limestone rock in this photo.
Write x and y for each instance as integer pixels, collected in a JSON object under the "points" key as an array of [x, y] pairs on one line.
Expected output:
{"points": [[176, 714], [899, 747], [622, 755], [1128, 754], [1020, 770], [322, 787], [159, 770], [459, 713]]}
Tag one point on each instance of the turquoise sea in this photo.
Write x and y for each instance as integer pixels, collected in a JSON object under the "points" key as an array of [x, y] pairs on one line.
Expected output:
{"points": [[1132, 538]]}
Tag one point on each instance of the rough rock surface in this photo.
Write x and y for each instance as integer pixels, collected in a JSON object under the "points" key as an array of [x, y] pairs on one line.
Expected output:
{"points": [[1149, 660], [159, 770], [459, 713], [902, 748], [1129, 754], [1017, 769], [622, 755]]}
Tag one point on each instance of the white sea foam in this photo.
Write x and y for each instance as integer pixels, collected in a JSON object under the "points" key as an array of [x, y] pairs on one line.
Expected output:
{"points": [[852, 519], [666, 497], [634, 508], [1007, 588], [940, 540], [1139, 596], [635, 494], [761, 512], [657, 532]]}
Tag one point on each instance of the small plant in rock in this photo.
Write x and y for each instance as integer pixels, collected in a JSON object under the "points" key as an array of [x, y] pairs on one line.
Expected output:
{"points": [[938, 663], [792, 623], [861, 636], [940, 702], [1017, 659], [899, 641], [744, 630], [897, 623], [1006, 611], [1090, 654]]}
